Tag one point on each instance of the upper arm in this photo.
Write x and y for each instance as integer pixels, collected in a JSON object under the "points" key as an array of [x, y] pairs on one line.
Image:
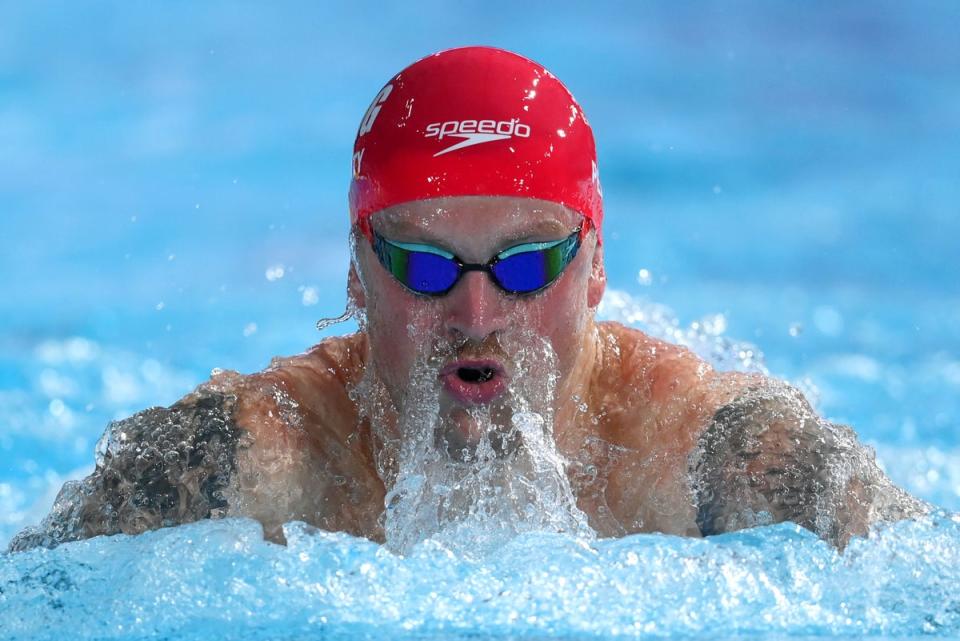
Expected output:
{"points": [[767, 457], [159, 467]]}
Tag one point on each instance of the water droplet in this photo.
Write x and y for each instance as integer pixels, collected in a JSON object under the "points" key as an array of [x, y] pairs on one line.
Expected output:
{"points": [[275, 272], [324, 323], [715, 324], [56, 407], [309, 296]]}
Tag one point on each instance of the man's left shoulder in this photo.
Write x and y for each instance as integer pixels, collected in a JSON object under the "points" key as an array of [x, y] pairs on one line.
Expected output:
{"points": [[766, 456], [663, 387], [650, 366]]}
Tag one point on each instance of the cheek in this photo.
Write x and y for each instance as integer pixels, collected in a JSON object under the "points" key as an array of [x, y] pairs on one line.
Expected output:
{"points": [[560, 315], [562, 324], [397, 325], [387, 320]]}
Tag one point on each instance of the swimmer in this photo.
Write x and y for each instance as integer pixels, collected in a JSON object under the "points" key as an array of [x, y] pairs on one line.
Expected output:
{"points": [[477, 267]]}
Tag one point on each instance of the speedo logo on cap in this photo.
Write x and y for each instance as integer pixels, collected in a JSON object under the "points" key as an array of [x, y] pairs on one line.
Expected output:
{"points": [[475, 132]]}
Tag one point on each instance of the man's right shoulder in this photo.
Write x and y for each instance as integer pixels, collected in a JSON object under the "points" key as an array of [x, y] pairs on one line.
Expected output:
{"points": [[162, 466], [317, 382], [170, 465], [338, 358]]}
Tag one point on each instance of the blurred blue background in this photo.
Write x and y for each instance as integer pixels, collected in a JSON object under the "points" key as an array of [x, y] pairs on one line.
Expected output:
{"points": [[173, 185]]}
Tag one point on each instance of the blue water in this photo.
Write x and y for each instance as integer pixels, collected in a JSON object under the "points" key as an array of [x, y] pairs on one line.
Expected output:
{"points": [[784, 172]]}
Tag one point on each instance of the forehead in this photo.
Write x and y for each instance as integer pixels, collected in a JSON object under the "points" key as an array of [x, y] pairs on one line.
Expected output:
{"points": [[476, 218]]}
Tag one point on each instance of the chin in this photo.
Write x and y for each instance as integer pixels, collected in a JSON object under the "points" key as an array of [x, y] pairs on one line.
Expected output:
{"points": [[474, 433]]}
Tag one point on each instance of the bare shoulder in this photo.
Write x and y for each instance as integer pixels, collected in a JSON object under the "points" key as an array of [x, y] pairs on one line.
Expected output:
{"points": [[236, 445], [663, 391], [651, 399], [307, 457], [766, 456], [160, 467], [317, 382]]}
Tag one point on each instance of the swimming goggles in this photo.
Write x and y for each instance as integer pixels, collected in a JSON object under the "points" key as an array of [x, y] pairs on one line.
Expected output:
{"points": [[521, 269]]}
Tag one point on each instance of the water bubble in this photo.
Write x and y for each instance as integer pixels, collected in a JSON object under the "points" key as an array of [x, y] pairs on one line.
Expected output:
{"points": [[714, 325], [309, 296], [275, 272], [795, 329], [644, 277], [56, 407], [250, 329]]}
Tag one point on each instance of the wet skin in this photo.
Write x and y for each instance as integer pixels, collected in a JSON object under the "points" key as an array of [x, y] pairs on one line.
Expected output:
{"points": [[630, 406], [655, 439], [644, 405]]}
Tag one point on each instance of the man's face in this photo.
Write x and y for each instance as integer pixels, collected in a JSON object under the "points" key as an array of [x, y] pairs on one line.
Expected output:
{"points": [[474, 340]]}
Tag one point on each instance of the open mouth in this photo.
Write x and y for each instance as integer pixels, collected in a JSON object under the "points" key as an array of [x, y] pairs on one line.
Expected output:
{"points": [[474, 382], [476, 374]]}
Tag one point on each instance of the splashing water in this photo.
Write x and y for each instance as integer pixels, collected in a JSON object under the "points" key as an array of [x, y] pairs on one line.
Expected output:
{"points": [[351, 312], [219, 579], [474, 567], [704, 337], [471, 495]]}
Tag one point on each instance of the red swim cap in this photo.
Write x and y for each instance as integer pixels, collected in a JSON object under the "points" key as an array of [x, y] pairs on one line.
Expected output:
{"points": [[474, 121]]}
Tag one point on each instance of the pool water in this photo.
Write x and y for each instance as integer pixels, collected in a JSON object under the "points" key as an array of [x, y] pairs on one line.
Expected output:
{"points": [[782, 193]]}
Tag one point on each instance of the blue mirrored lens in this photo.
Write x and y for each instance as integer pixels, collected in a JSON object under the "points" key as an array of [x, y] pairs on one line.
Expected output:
{"points": [[429, 273], [524, 272]]}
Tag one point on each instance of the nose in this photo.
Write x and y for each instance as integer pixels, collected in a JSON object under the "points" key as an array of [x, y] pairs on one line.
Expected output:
{"points": [[475, 307]]}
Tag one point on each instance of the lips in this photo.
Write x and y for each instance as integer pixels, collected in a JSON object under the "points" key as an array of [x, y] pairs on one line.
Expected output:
{"points": [[474, 382]]}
